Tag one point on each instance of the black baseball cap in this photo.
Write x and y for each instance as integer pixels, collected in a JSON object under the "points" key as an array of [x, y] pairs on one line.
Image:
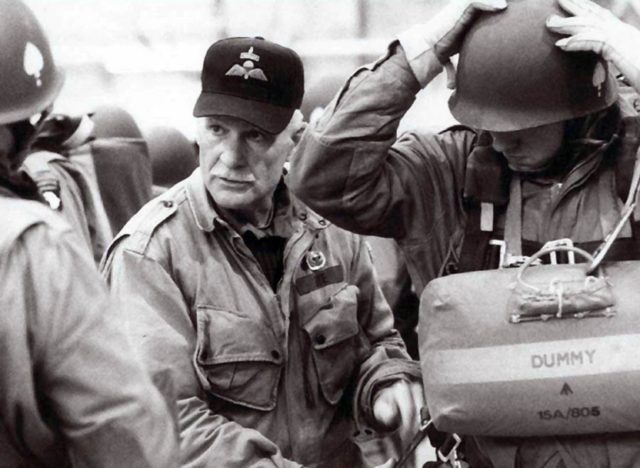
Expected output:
{"points": [[252, 79]]}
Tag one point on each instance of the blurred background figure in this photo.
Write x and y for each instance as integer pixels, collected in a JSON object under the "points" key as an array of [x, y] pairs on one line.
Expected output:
{"points": [[103, 159], [173, 157]]}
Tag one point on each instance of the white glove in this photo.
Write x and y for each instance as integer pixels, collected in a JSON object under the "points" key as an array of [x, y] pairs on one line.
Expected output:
{"points": [[398, 407], [596, 29], [443, 35]]}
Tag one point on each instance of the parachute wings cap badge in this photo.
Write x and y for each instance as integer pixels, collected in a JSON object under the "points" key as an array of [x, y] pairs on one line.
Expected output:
{"points": [[247, 69], [599, 77], [33, 62]]}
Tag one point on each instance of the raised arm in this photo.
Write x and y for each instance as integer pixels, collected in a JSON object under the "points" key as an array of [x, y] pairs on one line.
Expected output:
{"points": [[351, 168]]}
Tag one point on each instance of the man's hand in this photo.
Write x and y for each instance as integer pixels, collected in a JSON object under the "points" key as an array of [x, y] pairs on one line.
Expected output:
{"points": [[596, 29], [397, 407], [449, 26], [442, 37]]}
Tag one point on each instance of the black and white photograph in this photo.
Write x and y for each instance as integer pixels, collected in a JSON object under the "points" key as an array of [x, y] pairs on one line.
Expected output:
{"points": [[320, 233]]}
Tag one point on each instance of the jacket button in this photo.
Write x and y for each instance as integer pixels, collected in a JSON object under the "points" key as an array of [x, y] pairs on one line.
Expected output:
{"points": [[275, 354], [322, 222], [167, 203], [321, 339]]}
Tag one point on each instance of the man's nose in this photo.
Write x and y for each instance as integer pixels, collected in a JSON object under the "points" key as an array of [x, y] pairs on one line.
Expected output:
{"points": [[232, 153], [503, 141]]}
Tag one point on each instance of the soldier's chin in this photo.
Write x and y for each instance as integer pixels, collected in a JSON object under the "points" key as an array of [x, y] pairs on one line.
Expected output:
{"points": [[527, 168]]}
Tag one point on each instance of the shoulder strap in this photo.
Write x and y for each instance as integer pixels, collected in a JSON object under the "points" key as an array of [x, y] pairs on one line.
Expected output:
{"points": [[486, 194], [628, 209]]}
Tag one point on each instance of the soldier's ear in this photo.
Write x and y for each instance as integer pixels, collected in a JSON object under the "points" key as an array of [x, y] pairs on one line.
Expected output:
{"points": [[298, 133]]}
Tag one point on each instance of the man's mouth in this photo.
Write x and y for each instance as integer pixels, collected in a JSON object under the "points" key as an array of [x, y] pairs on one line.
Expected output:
{"points": [[234, 180]]}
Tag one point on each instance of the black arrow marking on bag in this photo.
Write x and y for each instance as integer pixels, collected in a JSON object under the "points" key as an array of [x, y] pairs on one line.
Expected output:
{"points": [[566, 390]]}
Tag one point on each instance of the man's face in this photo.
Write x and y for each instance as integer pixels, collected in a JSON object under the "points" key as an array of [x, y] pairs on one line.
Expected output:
{"points": [[531, 149], [241, 165]]}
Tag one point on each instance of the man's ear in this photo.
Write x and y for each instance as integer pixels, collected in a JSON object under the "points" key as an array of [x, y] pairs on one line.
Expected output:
{"points": [[298, 133]]}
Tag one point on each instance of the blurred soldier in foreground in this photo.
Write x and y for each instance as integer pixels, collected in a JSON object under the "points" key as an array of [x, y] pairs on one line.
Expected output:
{"points": [[71, 389], [271, 319], [547, 152]]}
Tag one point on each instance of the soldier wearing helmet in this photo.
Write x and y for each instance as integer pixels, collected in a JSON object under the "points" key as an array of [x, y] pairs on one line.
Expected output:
{"points": [[544, 136], [71, 389]]}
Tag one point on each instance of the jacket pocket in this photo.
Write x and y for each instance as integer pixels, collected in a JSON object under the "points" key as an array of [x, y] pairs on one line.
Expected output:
{"points": [[237, 358], [333, 331]]}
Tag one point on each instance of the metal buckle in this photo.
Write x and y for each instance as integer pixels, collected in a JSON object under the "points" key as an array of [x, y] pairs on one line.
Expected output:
{"points": [[452, 456], [503, 250], [506, 259], [566, 242]]}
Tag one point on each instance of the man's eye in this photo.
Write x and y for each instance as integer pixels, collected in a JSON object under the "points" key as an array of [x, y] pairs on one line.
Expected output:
{"points": [[256, 136], [216, 129]]}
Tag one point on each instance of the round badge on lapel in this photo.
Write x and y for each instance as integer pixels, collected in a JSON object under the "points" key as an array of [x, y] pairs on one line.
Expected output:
{"points": [[315, 260]]}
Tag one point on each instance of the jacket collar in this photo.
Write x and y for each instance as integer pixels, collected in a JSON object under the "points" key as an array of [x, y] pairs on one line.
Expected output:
{"points": [[200, 201]]}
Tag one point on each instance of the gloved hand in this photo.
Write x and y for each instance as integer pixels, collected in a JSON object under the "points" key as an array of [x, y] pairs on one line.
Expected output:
{"points": [[452, 22], [398, 407], [443, 34], [596, 29]]}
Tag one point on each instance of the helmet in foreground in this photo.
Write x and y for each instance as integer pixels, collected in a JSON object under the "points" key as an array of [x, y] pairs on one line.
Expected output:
{"points": [[511, 75], [29, 77]]}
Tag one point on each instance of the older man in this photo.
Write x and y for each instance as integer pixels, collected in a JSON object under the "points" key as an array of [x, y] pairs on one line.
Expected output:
{"points": [[269, 316]]}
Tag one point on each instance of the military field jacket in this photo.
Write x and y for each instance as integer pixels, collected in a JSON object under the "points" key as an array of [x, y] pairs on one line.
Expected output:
{"points": [[72, 392], [263, 378]]}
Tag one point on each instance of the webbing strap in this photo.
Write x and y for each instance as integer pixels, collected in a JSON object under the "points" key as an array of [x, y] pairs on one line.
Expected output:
{"points": [[629, 207], [476, 251], [513, 221]]}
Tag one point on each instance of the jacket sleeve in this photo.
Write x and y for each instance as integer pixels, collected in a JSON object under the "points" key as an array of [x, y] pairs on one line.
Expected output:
{"points": [[92, 384], [388, 359], [163, 332], [352, 169]]}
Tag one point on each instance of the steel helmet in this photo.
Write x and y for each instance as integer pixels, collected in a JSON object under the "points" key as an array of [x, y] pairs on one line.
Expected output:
{"points": [[29, 78], [114, 122], [511, 75], [173, 156]]}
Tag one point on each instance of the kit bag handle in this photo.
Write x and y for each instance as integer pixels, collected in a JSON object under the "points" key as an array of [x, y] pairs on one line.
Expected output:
{"points": [[544, 251]]}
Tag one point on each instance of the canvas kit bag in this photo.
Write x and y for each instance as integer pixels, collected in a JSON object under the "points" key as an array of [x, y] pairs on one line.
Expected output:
{"points": [[536, 350]]}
